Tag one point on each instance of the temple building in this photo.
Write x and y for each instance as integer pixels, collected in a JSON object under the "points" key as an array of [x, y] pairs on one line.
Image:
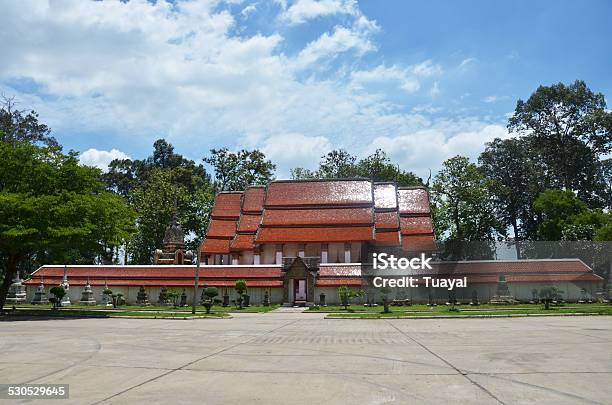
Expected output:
{"points": [[328, 219], [298, 240]]}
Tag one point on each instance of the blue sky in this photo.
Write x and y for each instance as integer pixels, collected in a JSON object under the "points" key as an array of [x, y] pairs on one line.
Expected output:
{"points": [[423, 80]]}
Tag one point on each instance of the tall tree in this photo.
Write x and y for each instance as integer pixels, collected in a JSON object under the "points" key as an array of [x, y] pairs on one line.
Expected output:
{"points": [[164, 184], [337, 164], [463, 208], [571, 129], [238, 170], [50, 203], [514, 181], [155, 202], [125, 175]]}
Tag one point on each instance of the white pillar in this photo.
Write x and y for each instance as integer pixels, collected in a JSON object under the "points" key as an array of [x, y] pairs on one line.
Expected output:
{"points": [[257, 255], [235, 259], [301, 250], [279, 254], [347, 253], [324, 252]]}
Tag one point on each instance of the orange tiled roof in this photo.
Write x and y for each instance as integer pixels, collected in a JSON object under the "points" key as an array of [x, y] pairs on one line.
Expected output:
{"points": [[227, 205], [219, 246], [388, 238], [348, 210], [416, 226], [333, 275], [253, 199], [385, 196], [319, 193], [387, 220], [243, 241], [314, 216], [222, 228], [413, 201], [419, 243], [249, 223]]}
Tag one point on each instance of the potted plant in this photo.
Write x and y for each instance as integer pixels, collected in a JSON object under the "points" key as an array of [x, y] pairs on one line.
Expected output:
{"points": [[58, 293], [210, 293], [240, 288]]}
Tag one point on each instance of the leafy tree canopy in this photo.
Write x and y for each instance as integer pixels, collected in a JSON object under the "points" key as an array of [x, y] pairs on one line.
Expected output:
{"points": [[514, 180], [566, 217], [462, 204], [238, 170], [570, 128], [341, 164], [52, 206]]}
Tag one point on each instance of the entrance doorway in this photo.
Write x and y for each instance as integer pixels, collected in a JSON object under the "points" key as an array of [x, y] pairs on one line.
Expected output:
{"points": [[299, 290]]}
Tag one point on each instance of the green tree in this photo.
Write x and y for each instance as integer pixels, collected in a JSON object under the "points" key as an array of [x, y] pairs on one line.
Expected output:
{"points": [[462, 204], [514, 181], [238, 170], [570, 128], [158, 187], [51, 205], [566, 217], [341, 164], [124, 175], [346, 294], [156, 202], [58, 293], [337, 164], [210, 293], [240, 287], [22, 126]]}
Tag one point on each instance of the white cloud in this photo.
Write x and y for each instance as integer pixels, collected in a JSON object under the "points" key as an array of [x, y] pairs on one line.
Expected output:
{"points": [[494, 99], [341, 40], [427, 148], [466, 62], [407, 78], [295, 150], [303, 10], [426, 69], [248, 10], [101, 158], [147, 70]]}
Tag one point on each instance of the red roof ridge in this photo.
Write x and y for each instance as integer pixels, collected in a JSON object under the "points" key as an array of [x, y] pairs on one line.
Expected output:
{"points": [[321, 180], [230, 192]]}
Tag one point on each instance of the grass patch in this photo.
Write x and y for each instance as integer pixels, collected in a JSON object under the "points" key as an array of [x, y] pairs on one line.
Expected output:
{"points": [[151, 308], [102, 313], [586, 309]]}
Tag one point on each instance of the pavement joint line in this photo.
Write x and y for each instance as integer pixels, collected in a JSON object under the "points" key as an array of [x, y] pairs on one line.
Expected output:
{"points": [[464, 374], [192, 362], [547, 389]]}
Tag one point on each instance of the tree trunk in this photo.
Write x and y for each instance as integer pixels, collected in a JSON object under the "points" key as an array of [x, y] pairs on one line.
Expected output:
{"points": [[11, 270], [517, 239]]}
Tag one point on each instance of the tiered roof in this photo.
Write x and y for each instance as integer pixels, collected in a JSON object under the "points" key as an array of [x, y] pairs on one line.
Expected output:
{"points": [[317, 211], [321, 211], [222, 228], [415, 219], [251, 209]]}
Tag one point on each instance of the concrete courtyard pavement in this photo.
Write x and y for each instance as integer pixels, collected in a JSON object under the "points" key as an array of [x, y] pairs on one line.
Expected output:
{"points": [[286, 357]]}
